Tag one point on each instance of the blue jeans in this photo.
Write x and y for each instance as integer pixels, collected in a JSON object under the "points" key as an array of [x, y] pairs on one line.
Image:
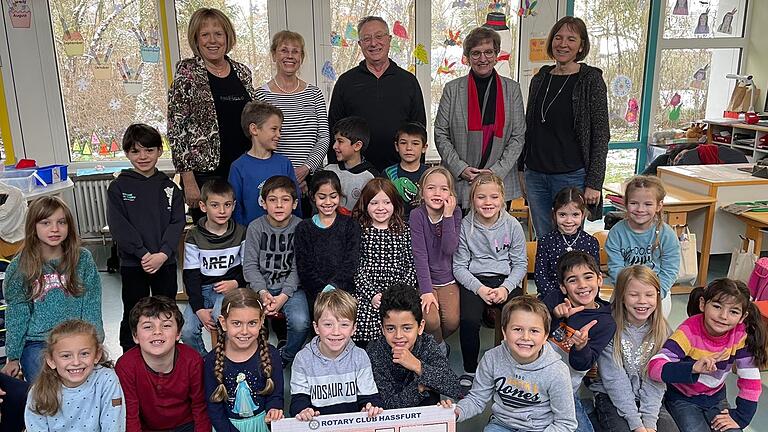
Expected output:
{"points": [[191, 333], [692, 417], [32, 359], [497, 426], [585, 425], [541, 188], [296, 311]]}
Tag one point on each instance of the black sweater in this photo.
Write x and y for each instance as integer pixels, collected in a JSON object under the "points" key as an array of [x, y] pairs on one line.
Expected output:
{"points": [[145, 215], [327, 255]]}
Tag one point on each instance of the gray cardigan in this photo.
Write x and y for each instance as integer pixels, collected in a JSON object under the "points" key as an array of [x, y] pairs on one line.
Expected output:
{"points": [[590, 117], [451, 137]]}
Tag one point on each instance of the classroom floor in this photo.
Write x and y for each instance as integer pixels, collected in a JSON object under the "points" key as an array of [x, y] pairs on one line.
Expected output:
{"points": [[112, 310]]}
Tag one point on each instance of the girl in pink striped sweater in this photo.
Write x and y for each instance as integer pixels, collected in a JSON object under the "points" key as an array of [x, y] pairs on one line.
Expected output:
{"points": [[696, 360]]}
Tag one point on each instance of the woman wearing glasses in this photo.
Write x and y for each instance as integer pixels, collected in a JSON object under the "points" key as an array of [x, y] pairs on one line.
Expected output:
{"points": [[304, 136], [566, 140], [480, 123]]}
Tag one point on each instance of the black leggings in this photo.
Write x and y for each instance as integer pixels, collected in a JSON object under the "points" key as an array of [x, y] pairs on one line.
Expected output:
{"points": [[472, 309]]}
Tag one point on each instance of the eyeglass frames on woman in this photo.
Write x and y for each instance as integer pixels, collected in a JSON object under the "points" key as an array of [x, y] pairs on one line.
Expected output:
{"points": [[487, 54]]}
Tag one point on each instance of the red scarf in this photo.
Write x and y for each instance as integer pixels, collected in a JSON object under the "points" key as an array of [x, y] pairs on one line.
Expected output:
{"points": [[475, 117]]}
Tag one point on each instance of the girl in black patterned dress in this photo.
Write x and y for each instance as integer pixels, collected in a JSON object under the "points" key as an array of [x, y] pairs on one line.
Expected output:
{"points": [[385, 254]]}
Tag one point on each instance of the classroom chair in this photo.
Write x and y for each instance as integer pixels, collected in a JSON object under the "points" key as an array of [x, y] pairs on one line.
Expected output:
{"points": [[518, 209], [607, 290]]}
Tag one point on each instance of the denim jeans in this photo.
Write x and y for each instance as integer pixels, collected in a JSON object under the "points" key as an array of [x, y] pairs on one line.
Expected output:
{"points": [[497, 426], [581, 417], [296, 311], [32, 359], [611, 421], [541, 188], [191, 333], [692, 417]]}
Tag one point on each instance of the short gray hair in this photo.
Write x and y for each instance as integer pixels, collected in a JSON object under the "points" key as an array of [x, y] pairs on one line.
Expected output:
{"points": [[479, 35], [370, 18]]}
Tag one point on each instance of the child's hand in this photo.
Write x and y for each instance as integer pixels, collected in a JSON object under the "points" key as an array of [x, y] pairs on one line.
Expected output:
{"points": [[500, 294], [153, 262], [278, 302], [724, 421], [266, 300], [306, 414], [405, 358], [447, 403], [486, 294], [11, 368], [204, 315], [373, 411], [273, 415], [580, 338], [376, 301], [449, 206], [428, 301], [225, 286], [565, 309], [709, 364]]}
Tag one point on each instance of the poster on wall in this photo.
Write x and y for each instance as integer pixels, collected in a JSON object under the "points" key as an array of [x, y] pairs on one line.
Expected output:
{"points": [[537, 51], [20, 13], [421, 419]]}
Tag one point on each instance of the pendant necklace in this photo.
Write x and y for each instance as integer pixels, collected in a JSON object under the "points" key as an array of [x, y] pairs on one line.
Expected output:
{"points": [[543, 111], [298, 84], [569, 246]]}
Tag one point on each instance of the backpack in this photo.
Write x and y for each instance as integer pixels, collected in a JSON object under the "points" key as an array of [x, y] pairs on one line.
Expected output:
{"points": [[758, 281]]}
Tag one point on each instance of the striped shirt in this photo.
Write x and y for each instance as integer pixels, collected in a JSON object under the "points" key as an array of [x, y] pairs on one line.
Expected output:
{"points": [[691, 342], [304, 136]]}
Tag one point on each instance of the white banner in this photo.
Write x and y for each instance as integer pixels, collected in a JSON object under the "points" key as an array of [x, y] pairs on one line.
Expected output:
{"points": [[420, 419]]}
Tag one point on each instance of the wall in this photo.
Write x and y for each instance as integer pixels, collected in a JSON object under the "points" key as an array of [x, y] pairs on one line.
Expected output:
{"points": [[757, 57]]}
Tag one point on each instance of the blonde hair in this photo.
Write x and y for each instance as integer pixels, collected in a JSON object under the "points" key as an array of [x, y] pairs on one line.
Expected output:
{"points": [[482, 179], [285, 36], [648, 182], [337, 302], [46, 391], [237, 299], [199, 17], [659, 328], [31, 261], [438, 169]]}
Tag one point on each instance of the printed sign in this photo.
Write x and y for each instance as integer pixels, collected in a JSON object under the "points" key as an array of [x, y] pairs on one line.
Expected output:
{"points": [[421, 419]]}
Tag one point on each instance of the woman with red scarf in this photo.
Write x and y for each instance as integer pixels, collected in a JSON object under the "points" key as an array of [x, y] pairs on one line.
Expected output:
{"points": [[480, 124]]}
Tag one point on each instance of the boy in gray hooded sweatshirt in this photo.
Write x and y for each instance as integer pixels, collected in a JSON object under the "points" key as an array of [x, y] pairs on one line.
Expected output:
{"points": [[524, 376]]}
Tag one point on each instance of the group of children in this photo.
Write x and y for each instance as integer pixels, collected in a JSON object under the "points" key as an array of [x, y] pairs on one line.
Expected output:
{"points": [[383, 272]]}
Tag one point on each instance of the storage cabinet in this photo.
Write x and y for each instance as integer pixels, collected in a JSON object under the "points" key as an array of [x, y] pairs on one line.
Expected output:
{"points": [[752, 140]]}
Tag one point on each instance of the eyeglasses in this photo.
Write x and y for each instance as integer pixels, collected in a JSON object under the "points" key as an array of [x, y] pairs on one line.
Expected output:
{"points": [[367, 39], [286, 51], [487, 53]]}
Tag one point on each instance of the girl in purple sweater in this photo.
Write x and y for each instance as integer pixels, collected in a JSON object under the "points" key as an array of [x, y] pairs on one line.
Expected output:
{"points": [[435, 236]]}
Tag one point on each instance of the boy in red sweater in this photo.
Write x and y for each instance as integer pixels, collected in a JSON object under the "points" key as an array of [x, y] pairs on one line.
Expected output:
{"points": [[162, 379]]}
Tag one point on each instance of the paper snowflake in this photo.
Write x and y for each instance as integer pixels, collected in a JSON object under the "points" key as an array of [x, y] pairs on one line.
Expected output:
{"points": [[83, 84], [115, 104]]}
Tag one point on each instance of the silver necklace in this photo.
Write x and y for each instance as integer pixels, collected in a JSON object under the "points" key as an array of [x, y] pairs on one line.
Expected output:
{"points": [[543, 111], [298, 84], [569, 246]]}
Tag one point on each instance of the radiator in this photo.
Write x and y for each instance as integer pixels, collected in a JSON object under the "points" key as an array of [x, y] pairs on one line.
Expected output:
{"points": [[91, 202]]}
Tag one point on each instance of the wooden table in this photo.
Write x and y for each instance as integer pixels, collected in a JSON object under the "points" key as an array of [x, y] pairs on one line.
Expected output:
{"points": [[677, 204], [757, 223]]}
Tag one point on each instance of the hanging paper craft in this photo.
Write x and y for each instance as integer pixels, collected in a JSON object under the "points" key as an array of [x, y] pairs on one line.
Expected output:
{"points": [[328, 72], [337, 40], [675, 103], [681, 7], [166, 145], [453, 38], [351, 32], [132, 82], [149, 45], [102, 69], [496, 6], [73, 44], [77, 147], [446, 68], [727, 25], [632, 111], [420, 53], [83, 84], [460, 4], [395, 46], [21, 15], [527, 8], [412, 68], [399, 31], [621, 86], [113, 147], [537, 50], [103, 150], [702, 27], [115, 104], [699, 78]]}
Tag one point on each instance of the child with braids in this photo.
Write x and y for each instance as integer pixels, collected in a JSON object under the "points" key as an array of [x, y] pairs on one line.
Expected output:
{"points": [[243, 375], [696, 360]]}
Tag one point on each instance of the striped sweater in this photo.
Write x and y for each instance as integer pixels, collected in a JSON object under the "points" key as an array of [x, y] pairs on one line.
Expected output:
{"points": [[691, 342]]}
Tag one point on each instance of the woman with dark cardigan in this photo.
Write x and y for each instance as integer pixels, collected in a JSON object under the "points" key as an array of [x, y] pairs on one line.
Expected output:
{"points": [[567, 134]]}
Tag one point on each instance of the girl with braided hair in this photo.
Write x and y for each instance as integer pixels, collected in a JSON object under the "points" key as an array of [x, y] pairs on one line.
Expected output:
{"points": [[243, 374]]}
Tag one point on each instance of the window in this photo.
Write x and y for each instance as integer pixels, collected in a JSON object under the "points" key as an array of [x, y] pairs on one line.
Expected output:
{"points": [[111, 72], [618, 32], [704, 19], [620, 165], [249, 17]]}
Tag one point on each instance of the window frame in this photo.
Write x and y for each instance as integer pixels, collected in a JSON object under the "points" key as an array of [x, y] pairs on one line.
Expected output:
{"points": [[8, 129]]}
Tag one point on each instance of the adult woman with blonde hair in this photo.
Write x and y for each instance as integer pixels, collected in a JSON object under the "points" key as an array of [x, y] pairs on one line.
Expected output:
{"points": [[204, 105]]}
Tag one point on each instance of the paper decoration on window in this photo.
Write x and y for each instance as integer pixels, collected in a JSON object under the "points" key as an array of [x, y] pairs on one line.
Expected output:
{"points": [[421, 55], [633, 108], [21, 15], [537, 50], [699, 78], [114, 147], [676, 104], [727, 25], [681, 7], [496, 6], [118, 6], [399, 31], [527, 8], [77, 146], [350, 33], [103, 150], [166, 145], [115, 104], [702, 26], [149, 45], [412, 68], [453, 39], [73, 44], [621, 86], [446, 68], [102, 68], [460, 4], [338, 41], [132, 82], [83, 84], [328, 72]]}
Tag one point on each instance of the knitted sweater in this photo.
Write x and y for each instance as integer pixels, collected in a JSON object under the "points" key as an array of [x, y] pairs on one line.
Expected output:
{"points": [[551, 247], [433, 247], [691, 342], [401, 386], [32, 320]]}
